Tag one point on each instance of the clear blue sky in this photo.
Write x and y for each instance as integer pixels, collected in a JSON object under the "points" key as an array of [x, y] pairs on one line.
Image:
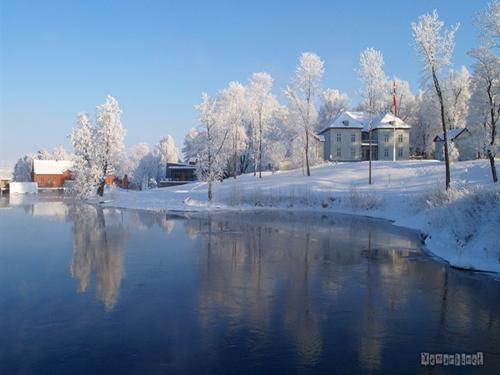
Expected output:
{"points": [[156, 57]]}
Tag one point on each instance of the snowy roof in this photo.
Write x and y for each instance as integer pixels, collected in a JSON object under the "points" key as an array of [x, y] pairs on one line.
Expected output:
{"points": [[320, 138], [361, 120], [51, 166], [452, 134]]}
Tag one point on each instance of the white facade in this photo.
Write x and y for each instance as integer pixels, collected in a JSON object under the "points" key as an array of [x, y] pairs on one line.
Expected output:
{"points": [[347, 137]]}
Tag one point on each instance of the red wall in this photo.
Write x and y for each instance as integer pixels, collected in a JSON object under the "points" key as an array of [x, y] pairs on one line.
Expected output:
{"points": [[51, 180]]}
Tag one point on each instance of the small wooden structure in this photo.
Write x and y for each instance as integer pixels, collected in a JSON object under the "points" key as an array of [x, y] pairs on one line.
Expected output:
{"points": [[178, 174]]}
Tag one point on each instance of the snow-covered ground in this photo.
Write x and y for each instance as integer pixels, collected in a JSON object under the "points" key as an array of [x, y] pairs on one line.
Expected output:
{"points": [[462, 225]]}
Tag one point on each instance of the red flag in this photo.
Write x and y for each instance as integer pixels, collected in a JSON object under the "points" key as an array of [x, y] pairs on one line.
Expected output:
{"points": [[394, 96]]}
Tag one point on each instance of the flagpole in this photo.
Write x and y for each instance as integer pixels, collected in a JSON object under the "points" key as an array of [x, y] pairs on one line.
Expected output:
{"points": [[394, 122]]}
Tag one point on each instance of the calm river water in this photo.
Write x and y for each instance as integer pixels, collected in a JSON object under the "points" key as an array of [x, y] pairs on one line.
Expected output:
{"points": [[85, 290]]}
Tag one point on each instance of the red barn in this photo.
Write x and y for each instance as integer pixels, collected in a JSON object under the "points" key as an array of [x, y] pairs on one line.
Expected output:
{"points": [[51, 173]]}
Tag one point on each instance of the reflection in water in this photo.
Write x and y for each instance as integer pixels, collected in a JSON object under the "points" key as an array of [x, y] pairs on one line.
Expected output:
{"points": [[241, 293], [98, 248], [144, 220], [249, 260]]}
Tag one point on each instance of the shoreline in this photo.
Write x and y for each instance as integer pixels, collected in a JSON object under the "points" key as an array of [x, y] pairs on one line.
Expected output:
{"points": [[297, 210]]}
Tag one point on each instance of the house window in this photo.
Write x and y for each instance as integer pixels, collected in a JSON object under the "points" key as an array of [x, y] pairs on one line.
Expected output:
{"points": [[386, 152], [353, 137], [386, 138], [400, 152], [339, 137], [339, 152], [400, 138], [353, 153]]}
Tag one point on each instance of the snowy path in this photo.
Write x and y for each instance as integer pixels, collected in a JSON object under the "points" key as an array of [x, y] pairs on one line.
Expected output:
{"points": [[465, 230]]}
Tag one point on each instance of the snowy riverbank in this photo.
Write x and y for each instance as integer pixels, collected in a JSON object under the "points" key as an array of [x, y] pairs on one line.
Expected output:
{"points": [[462, 225]]}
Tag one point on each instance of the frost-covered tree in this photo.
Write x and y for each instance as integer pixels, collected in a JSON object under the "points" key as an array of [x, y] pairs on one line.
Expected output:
{"points": [[108, 141], [146, 174], [167, 153], [456, 94], [454, 153], [214, 134], [374, 90], [488, 23], [133, 158], [277, 139], [97, 149], [43, 154], [486, 100], [424, 127], [434, 47], [192, 145], [262, 107], [23, 169], [60, 153], [333, 103], [85, 169], [405, 100], [302, 93], [232, 107], [375, 87]]}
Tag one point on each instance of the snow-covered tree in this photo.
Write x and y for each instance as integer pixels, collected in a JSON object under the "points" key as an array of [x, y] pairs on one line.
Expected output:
{"points": [[192, 145], [374, 90], [453, 150], [214, 133], [424, 127], [333, 103], [133, 158], [262, 106], [60, 153], [486, 103], [108, 141], [456, 93], [85, 170], [302, 93], [232, 110], [405, 100], [277, 139], [23, 169], [434, 47], [146, 174], [488, 23], [43, 154], [167, 153], [97, 149]]}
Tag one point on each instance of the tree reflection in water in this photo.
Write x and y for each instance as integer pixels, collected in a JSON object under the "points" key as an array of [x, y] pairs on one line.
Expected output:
{"points": [[255, 268], [98, 243], [240, 292]]}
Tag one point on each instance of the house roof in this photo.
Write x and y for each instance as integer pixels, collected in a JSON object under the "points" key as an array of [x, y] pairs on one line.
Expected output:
{"points": [[51, 166], [452, 134], [361, 120]]}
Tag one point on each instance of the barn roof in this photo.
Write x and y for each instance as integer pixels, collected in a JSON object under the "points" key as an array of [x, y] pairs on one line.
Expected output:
{"points": [[51, 166], [451, 134]]}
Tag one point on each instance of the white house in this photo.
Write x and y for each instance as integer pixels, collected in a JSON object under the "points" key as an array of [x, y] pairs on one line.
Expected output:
{"points": [[347, 137]]}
